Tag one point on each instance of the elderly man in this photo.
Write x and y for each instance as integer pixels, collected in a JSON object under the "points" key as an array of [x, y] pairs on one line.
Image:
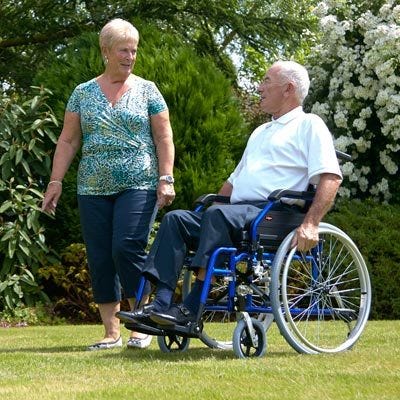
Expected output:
{"points": [[290, 152]]}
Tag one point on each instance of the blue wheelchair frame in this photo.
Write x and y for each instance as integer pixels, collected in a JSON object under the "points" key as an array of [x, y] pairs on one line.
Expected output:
{"points": [[234, 258], [329, 301]]}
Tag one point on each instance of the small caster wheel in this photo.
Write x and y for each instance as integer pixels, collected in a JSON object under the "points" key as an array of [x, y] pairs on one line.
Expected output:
{"points": [[242, 343], [173, 343]]}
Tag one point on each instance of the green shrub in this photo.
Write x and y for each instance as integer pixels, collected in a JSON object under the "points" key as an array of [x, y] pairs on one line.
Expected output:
{"points": [[375, 228], [26, 125], [69, 287], [40, 314]]}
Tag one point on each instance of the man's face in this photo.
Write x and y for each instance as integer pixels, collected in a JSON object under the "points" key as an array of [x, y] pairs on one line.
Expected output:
{"points": [[272, 91]]}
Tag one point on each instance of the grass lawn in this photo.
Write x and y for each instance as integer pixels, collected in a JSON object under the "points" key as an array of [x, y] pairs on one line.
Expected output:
{"points": [[52, 363]]}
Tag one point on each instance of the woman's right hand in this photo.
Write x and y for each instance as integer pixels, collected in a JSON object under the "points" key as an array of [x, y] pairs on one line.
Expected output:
{"points": [[67, 145], [50, 200]]}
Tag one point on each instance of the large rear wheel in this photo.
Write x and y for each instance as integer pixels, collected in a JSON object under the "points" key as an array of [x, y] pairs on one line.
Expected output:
{"points": [[321, 299]]}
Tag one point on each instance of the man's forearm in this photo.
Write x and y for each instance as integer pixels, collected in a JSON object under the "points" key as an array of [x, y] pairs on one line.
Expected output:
{"points": [[226, 189], [324, 198]]}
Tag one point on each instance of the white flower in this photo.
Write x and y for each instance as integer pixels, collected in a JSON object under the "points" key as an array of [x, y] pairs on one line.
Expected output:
{"points": [[347, 168], [385, 69], [385, 11], [381, 187], [360, 124], [321, 109], [366, 112], [388, 163], [344, 192], [328, 22], [396, 14], [362, 144], [321, 9], [340, 118], [382, 98], [342, 142], [361, 71], [363, 183]]}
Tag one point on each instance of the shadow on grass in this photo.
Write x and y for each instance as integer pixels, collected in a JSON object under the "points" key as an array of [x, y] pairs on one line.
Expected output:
{"points": [[47, 349], [138, 355], [196, 354]]}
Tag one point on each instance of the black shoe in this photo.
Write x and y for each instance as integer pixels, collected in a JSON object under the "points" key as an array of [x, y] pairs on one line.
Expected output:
{"points": [[140, 315], [176, 315]]}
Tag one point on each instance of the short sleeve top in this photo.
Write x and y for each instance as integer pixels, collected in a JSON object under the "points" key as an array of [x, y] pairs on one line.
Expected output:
{"points": [[118, 151]]}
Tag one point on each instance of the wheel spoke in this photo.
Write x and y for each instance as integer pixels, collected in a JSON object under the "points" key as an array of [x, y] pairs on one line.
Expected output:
{"points": [[321, 299]]}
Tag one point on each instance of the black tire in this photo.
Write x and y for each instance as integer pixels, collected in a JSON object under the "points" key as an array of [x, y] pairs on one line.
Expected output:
{"points": [[173, 343], [242, 343]]}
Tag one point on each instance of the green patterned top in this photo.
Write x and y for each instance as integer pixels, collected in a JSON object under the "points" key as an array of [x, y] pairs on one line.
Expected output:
{"points": [[118, 152]]}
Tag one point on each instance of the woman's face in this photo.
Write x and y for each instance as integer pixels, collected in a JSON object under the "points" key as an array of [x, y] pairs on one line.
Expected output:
{"points": [[121, 57]]}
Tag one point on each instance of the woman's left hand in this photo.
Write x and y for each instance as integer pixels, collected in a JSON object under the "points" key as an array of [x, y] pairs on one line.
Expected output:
{"points": [[165, 194]]}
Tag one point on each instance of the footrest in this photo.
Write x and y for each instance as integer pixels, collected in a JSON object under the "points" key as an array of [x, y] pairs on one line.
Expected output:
{"points": [[192, 330], [147, 329]]}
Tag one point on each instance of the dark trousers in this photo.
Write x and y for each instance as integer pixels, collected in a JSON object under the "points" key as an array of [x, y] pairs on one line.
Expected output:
{"points": [[116, 230], [183, 230]]}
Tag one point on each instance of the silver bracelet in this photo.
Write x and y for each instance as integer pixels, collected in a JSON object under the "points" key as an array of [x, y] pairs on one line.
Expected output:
{"points": [[58, 182]]}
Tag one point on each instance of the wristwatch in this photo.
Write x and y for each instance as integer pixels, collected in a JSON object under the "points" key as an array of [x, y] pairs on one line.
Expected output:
{"points": [[167, 178]]}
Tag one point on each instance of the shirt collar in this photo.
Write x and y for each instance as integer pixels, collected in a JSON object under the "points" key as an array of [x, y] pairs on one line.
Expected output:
{"points": [[289, 116]]}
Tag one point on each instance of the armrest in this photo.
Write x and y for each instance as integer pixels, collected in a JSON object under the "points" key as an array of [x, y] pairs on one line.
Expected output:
{"points": [[207, 199], [343, 156], [291, 194]]}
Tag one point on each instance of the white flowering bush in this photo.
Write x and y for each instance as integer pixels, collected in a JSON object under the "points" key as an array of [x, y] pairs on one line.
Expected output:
{"points": [[355, 88]]}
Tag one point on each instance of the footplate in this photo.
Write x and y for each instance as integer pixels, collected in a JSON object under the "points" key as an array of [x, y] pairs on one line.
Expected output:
{"points": [[192, 330]]}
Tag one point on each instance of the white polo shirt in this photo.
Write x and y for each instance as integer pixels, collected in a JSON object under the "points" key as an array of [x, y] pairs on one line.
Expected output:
{"points": [[287, 153]]}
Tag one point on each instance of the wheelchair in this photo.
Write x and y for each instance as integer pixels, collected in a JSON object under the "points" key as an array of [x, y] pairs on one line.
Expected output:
{"points": [[320, 299]]}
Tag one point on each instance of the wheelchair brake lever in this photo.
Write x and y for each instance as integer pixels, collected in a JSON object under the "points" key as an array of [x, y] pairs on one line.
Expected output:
{"points": [[258, 266]]}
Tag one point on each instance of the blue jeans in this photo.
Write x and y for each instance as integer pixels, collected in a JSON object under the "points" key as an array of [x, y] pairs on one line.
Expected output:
{"points": [[116, 230]]}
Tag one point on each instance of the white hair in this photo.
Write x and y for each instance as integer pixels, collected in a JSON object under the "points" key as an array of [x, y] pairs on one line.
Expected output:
{"points": [[117, 30], [291, 71]]}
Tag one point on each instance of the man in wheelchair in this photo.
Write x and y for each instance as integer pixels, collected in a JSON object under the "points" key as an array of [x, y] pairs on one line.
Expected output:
{"points": [[292, 151]]}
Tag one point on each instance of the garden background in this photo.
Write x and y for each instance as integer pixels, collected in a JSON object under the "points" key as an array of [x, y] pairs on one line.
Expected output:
{"points": [[206, 57]]}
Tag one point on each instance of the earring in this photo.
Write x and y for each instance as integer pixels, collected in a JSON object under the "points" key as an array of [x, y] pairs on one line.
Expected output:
{"points": [[105, 60]]}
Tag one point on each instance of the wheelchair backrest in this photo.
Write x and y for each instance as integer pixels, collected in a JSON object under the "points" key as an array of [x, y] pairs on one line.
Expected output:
{"points": [[276, 225]]}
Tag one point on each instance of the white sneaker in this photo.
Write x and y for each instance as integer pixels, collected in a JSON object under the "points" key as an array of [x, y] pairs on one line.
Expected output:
{"points": [[106, 345]]}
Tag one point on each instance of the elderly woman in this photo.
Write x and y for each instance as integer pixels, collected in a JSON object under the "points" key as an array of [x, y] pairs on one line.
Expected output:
{"points": [[124, 176]]}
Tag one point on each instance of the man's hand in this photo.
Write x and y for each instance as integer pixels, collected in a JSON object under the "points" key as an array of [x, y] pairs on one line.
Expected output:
{"points": [[305, 237]]}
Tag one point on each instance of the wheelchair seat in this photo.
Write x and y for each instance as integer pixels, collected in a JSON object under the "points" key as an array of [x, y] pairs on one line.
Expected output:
{"points": [[275, 226], [272, 226]]}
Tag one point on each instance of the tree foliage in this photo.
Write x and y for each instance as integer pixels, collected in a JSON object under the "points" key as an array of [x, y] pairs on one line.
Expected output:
{"points": [[356, 81], [30, 28]]}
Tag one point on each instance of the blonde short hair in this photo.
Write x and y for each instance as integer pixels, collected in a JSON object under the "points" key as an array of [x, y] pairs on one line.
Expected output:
{"points": [[117, 30]]}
